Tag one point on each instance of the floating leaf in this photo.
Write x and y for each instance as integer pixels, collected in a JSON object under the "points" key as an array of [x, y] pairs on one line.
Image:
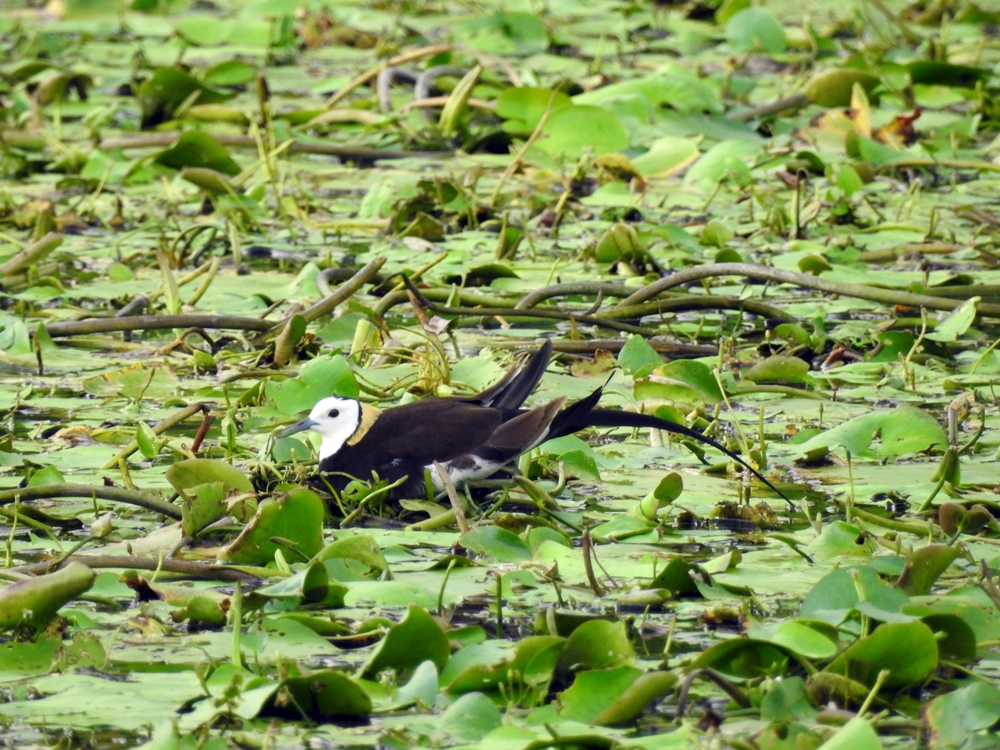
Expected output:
{"points": [[572, 131], [414, 639], [958, 322], [197, 149], [908, 650], [904, 430], [295, 518], [755, 29]]}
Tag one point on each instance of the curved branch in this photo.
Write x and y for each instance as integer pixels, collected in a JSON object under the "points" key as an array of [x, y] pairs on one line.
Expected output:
{"points": [[510, 312], [807, 281], [326, 305], [685, 302], [127, 562], [155, 322], [115, 494], [608, 289]]}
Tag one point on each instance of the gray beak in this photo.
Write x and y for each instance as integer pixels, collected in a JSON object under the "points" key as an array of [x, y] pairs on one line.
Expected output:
{"points": [[302, 424]]}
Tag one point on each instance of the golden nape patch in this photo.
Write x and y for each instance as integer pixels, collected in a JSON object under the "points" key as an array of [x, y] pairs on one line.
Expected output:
{"points": [[368, 416]]}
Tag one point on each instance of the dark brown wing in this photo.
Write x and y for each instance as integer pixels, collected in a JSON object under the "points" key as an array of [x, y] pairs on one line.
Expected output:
{"points": [[511, 391]]}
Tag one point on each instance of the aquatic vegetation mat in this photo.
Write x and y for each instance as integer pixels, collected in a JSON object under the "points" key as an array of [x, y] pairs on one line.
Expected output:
{"points": [[774, 225]]}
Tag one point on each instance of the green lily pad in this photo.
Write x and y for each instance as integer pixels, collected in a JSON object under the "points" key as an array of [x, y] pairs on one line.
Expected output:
{"points": [[414, 639], [296, 518]]}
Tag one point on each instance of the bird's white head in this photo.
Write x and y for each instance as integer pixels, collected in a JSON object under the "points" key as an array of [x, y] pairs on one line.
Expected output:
{"points": [[335, 419]]}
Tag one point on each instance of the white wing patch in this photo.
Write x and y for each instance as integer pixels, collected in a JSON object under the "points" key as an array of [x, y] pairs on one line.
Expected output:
{"points": [[477, 468]]}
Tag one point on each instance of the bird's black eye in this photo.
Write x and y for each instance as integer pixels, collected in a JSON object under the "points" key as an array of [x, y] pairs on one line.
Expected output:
{"points": [[334, 413]]}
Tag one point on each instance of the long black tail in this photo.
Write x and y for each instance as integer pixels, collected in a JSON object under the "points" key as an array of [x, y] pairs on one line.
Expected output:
{"points": [[583, 414], [514, 388]]}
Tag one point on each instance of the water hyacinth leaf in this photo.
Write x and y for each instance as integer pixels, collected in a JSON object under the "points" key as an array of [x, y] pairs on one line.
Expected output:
{"points": [[723, 162], [360, 547], [598, 644], [522, 107], [637, 355], [837, 593], [505, 33], [903, 430], [20, 659], [743, 658], [924, 566], [202, 505], [857, 734], [666, 491], [632, 702], [456, 108], [908, 650], [675, 578], [46, 475], [489, 665], [324, 695], [959, 641], [133, 383], [672, 86], [318, 378], [824, 687], [841, 539], [804, 640], [201, 611], [787, 700], [204, 31], [618, 241], [778, 369], [296, 519], [470, 718], [145, 438], [167, 88], [572, 131], [580, 464], [832, 88], [499, 544], [187, 474], [209, 180], [621, 526], [958, 322], [389, 594], [755, 29], [311, 585], [956, 718], [666, 156], [229, 73], [422, 688], [945, 74], [30, 603], [479, 666], [687, 381], [414, 639], [197, 149], [594, 692]]}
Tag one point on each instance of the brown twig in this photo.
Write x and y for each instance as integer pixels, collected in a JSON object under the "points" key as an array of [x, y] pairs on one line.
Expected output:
{"points": [[114, 494], [163, 426], [202, 431], [155, 322], [808, 281], [327, 305], [510, 312], [167, 565], [162, 140]]}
